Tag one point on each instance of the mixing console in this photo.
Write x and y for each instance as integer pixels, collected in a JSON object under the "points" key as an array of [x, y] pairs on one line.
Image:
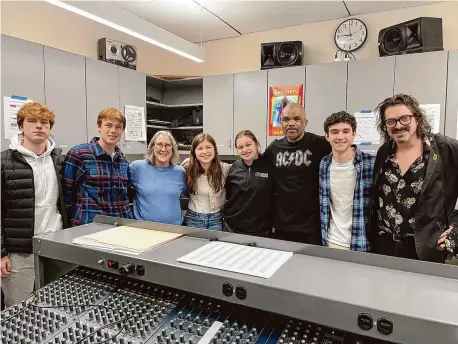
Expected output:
{"points": [[86, 306]]}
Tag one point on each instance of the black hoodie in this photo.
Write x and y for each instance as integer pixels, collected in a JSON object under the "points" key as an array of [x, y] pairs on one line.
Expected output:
{"points": [[249, 195]]}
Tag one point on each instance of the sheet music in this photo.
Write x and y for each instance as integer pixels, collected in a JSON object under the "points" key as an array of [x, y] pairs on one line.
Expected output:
{"points": [[248, 260]]}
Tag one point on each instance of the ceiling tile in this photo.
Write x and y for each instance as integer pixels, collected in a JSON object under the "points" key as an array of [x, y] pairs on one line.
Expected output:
{"points": [[126, 4], [253, 16], [362, 7], [183, 18]]}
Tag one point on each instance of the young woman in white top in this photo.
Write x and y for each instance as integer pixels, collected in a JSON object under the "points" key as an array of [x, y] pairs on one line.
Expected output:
{"points": [[206, 175]]}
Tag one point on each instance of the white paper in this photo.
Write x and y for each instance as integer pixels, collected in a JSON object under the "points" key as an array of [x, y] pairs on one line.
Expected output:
{"points": [[433, 114], [366, 128], [248, 260], [135, 123], [11, 106], [208, 336]]}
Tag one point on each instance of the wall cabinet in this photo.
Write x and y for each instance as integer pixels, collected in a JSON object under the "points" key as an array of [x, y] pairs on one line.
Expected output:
{"points": [[66, 99], [451, 121], [424, 76], [250, 105], [325, 93], [132, 91], [22, 73], [102, 91], [218, 97]]}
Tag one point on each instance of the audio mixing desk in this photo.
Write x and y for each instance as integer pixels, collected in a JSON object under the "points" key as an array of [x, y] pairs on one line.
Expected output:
{"points": [[319, 296]]}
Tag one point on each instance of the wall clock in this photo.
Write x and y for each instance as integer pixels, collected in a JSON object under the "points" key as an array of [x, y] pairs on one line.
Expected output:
{"points": [[350, 35]]}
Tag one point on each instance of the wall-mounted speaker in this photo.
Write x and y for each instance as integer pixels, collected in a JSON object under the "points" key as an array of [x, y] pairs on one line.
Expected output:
{"points": [[118, 53], [414, 36], [281, 54]]}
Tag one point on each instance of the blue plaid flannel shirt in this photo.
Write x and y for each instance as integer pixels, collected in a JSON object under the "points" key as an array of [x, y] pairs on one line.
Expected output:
{"points": [[95, 183], [364, 164]]}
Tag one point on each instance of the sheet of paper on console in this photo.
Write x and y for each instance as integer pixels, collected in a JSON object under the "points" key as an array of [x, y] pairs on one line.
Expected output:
{"points": [[248, 260]]}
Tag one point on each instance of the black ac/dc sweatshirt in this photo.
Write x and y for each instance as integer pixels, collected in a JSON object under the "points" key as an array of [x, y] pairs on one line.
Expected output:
{"points": [[296, 179]]}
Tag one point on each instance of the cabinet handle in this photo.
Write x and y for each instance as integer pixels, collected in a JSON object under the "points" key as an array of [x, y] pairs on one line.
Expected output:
{"points": [[230, 143]]}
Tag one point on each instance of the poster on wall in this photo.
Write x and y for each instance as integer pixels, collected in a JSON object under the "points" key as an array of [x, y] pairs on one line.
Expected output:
{"points": [[433, 114], [135, 123], [279, 97], [11, 106], [366, 128]]}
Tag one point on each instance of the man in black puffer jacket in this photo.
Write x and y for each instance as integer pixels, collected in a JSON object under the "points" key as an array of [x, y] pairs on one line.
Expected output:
{"points": [[32, 201]]}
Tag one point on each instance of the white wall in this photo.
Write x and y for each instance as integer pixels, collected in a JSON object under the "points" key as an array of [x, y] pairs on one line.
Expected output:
{"points": [[46, 24]]}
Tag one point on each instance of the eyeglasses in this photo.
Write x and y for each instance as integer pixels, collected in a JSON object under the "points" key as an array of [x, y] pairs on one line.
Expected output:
{"points": [[167, 146], [404, 120]]}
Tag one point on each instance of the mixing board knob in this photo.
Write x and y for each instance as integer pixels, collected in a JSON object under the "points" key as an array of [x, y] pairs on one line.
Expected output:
{"points": [[168, 340], [172, 335], [142, 333], [190, 328], [172, 323], [206, 323], [181, 338], [127, 269], [159, 338], [181, 325]]}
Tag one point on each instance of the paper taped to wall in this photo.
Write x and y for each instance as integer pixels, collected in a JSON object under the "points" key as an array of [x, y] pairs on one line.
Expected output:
{"points": [[433, 115], [11, 106], [366, 128], [135, 123]]}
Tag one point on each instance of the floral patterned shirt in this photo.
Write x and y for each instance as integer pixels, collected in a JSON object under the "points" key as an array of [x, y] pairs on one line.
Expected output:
{"points": [[398, 195]]}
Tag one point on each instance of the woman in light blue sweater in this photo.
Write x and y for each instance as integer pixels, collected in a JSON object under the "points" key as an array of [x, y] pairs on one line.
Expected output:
{"points": [[158, 182]]}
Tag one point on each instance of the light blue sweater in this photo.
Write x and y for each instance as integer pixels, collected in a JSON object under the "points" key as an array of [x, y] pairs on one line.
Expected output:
{"points": [[157, 192]]}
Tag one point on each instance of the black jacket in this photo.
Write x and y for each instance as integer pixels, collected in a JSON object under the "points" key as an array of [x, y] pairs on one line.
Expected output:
{"points": [[435, 209], [18, 200], [249, 194]]}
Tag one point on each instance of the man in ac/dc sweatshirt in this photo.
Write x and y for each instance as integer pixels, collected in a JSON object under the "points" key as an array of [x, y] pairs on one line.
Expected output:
{"points": [[296, 161]]}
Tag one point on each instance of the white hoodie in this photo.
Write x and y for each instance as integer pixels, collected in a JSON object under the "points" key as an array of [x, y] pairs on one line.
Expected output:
{"points": [[47, 216]]}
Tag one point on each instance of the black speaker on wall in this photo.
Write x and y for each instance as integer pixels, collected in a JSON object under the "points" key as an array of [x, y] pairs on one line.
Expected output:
{"points": [[414, 36], [281, 54]]}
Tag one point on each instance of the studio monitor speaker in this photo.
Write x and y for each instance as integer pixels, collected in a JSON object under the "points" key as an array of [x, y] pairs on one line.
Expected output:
{"points": [[281, 54], [414, 36]]}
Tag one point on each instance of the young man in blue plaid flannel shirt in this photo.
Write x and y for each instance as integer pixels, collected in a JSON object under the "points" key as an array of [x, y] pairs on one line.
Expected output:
{"points": [[345, 187], [96, 174]]}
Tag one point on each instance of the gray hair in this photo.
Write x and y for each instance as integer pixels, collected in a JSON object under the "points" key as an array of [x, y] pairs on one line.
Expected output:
{"points": [[175, 159]]}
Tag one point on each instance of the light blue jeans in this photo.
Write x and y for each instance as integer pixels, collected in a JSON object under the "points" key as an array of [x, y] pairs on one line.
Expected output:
{"points": [[207, 221]]}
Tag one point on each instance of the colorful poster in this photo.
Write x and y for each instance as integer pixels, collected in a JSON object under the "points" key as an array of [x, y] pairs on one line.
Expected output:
{"points": [[279, 97]]}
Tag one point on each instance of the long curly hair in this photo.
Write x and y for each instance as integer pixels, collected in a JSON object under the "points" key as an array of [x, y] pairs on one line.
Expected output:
{"points": [[423, 127], [194, 169]]}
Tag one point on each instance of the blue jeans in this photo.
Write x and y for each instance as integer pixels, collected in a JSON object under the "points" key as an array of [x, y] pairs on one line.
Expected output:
{"points": [[207, 221]]}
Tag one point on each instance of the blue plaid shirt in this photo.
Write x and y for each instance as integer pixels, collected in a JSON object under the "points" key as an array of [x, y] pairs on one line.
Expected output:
{"points": [[95, 183], [364, 164]]}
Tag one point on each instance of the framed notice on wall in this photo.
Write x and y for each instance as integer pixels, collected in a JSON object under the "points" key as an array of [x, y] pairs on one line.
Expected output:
{"points": [[279, 97]]}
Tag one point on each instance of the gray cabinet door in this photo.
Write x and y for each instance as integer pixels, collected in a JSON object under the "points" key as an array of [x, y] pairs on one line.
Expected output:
{"points": [[250, 104], [451, 119], [219, 111], [65, 85], [22, 73], [369, 83], [325, 93], [284, 77], [424, 76], [102, 91], [132, 90]]}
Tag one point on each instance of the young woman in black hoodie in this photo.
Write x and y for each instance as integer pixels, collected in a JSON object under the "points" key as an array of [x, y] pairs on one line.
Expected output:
{"points": [[249, 190]]}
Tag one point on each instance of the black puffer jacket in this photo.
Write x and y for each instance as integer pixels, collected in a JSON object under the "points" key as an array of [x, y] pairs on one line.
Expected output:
{"points": [[18, 200]]}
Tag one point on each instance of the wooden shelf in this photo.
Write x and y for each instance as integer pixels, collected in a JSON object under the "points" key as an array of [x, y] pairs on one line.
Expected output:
{"points": [[167, 106]]}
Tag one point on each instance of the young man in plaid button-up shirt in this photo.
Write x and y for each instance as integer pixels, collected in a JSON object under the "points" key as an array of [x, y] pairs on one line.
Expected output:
{"points": [[345, 187], [96, 174]]}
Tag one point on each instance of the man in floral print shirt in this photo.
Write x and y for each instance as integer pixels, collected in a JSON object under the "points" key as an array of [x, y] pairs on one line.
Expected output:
{"points": [[415, 184]]}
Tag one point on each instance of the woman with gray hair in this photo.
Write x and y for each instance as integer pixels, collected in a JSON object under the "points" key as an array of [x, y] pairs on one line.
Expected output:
{"points": [[158, 181]]}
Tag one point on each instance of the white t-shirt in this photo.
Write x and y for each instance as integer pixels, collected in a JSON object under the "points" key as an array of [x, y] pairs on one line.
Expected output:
{"points": [[343, 181]]}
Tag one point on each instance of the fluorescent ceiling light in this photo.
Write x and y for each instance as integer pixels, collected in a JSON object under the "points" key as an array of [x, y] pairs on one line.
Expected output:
{"points": [[121, 20]]}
